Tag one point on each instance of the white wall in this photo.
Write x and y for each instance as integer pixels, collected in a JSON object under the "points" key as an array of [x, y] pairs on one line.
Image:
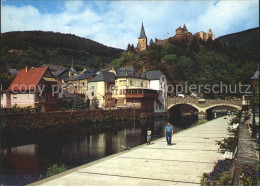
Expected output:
{"points": [[155, 84], [99, 91], [160, 85], [3, 100], [23, 100]]}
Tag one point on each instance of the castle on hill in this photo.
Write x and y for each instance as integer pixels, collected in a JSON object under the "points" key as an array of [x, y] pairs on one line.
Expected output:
{"points": [[181, 33]]}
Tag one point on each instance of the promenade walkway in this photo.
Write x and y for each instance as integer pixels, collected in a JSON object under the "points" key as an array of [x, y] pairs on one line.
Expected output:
{"points": [[194, 152]]}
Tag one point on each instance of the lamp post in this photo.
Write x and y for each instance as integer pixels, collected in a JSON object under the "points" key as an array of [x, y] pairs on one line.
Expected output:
{"points": [[254, 80]]}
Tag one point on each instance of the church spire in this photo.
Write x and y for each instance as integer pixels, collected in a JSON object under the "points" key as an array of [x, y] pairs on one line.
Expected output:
{"points": [[142, 33]]}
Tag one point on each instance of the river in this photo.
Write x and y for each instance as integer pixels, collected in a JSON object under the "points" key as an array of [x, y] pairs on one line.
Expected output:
{"points": [[25, 164]]}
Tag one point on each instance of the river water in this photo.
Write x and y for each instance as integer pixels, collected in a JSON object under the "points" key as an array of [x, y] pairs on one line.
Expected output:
{"points": [[25, 164]]}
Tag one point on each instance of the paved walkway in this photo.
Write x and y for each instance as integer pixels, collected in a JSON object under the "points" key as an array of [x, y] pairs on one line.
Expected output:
{"points": [[194, 152]]}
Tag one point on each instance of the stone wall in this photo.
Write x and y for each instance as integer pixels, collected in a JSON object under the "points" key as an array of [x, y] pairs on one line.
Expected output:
{"points": [[36, 120]]}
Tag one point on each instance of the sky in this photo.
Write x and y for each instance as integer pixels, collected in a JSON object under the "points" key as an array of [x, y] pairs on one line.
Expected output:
{"points": [[117, 23]]}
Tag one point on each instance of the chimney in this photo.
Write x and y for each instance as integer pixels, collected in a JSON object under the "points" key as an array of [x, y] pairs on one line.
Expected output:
{"points": [[26, 69]]}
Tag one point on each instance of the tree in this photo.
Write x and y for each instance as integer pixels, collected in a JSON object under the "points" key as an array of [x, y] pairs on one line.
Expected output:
{"points": [[151, 43], [193, 47], [78, 103], [95, 102], [88, 103], [132, 48], [254, 100], [128, 47]]}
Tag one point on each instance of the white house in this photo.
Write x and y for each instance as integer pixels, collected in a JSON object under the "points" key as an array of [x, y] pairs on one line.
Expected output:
{"points": [[99, 89], [158, 82]]}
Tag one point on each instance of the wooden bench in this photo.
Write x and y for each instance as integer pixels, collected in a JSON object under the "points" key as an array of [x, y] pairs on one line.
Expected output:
{"points": [[233, 127], [230, 155]]}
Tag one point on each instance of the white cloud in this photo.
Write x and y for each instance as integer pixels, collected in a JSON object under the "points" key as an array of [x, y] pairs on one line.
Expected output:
{"points": [[227, 17], [118, 23]]}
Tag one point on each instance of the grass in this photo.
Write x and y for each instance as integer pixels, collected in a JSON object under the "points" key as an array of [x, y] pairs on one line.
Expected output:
{"points": [[55, 169]]}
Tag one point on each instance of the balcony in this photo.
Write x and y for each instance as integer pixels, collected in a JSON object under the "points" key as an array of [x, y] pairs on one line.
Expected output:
{"points": [[141, 93]]}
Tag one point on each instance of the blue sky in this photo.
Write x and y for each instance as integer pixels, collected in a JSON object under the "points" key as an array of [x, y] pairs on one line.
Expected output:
{"points": [[117, 23]]}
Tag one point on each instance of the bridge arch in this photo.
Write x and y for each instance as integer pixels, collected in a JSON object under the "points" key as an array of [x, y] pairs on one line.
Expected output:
{"points": [[204, 109], [193, 105]]}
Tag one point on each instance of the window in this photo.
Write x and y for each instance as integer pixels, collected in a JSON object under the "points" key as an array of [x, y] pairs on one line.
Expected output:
{"points": [[2, 96], [14, 96], [92, 94], [162, 78], [122, 82], [83, 84], [30, 96], [131, 83], [141, 84], [93, 87]]}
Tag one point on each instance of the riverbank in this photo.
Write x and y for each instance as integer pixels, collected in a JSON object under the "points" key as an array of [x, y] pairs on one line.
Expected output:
{"points": [[193, 152]]}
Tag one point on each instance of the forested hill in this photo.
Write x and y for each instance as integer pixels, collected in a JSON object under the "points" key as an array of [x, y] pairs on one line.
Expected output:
{"points": [[34, 48], [248, 38], [230, 59]]}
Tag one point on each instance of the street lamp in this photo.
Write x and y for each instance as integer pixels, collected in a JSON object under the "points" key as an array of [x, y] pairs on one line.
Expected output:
{"points": [[254, 80]]}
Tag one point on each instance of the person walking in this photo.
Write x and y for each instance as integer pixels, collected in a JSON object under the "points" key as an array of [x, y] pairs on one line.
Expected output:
{"points": [[169, 133], [149, 136]]}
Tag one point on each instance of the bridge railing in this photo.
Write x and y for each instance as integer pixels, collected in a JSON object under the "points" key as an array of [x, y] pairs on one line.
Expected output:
{"points": [[205, 103]]}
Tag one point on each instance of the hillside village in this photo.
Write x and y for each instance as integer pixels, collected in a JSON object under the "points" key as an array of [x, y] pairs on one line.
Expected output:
{"points": [[46, 86], [53, 87]]}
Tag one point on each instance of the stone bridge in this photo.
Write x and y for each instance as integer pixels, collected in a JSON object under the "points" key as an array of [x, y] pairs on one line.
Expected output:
{"points": [[203, 106]]}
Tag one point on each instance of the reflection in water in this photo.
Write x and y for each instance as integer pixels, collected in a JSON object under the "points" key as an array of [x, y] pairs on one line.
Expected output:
{"points": [[24, 164]]}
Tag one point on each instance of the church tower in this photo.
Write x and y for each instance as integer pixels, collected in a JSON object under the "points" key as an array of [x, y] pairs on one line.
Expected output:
{"points": [[142, 40]]}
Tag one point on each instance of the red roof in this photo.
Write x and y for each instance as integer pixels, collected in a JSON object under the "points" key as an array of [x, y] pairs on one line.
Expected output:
{"points": [[27, 80]]}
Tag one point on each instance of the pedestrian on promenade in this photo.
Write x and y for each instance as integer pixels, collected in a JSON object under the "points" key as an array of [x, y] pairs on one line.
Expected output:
{"points": [[149, 136], [169, 133], [228, 113]]}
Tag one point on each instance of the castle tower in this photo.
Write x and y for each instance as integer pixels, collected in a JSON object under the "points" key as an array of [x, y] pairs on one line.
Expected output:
{"points": [[185, 28], [142, 40], [211, 34]]}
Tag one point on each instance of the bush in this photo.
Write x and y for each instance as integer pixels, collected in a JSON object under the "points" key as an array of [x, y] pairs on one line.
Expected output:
{"points": [[55, 169], [229, 143], [225, 179], [248, 175], [109, 118], [219, 173], [3, 123]]}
